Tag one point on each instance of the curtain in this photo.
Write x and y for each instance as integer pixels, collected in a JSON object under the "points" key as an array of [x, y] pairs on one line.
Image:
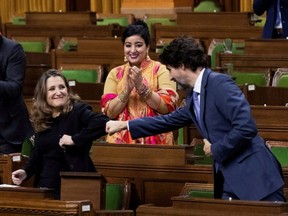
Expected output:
{"points": [[12, 8], [106, 6], [246, 6]]}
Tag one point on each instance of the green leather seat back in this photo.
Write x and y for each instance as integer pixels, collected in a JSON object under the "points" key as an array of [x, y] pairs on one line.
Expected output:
{"points": [[122, 21], [238, 48], [242, 78], [201, 194], [198, 150], [33, 46], [217, 49], [69, 46], [207, 6], [282, 81], [163, 21], [281, 153], [17, 20], [114, 196], [26, 148], [81, 75]]}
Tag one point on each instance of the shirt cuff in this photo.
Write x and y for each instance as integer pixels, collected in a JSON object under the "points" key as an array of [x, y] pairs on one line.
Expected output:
{"points": [[128, 126]]}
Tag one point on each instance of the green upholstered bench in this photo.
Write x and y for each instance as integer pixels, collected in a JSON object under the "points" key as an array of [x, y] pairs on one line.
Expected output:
{"points": [[257, 78], [33, 46], [122, 21], [199, 190], [282, 81], [118, 195], [81, 75], [207, 6]]}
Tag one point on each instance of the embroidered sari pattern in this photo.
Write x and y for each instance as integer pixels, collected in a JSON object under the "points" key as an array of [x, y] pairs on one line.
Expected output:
{"points": [[136, 107]]}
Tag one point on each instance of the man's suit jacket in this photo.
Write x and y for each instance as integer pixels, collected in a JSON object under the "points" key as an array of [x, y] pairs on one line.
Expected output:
{"points": [[14, 119], [270, 7], [246, 163]]}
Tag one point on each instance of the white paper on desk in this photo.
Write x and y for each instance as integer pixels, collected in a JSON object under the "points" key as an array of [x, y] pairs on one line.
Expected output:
{"points": [[8, 186]]}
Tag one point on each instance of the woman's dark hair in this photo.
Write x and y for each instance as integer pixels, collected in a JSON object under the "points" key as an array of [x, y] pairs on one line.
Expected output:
{"points": [[138, 27], [185, 51]]}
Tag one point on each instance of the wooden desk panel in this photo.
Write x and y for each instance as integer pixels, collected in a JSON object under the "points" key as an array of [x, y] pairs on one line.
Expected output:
{"points": [[55, 32], [8, 164], [31, 207], [144, 155], [99, 44], [271, 121], [211, 19], [266, 47], [265, 95], [207, 207], [206, 35], [108, 60], [26, 193], [84, 186], [150, 169], [60, 18], [252, 62]]}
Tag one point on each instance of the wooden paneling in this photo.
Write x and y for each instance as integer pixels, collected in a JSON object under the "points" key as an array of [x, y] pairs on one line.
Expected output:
{"points": [[183, 206], [156, 172]]}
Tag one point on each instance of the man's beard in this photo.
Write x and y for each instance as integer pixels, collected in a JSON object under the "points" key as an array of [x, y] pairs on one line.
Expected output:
{"points": [[181, 86]]}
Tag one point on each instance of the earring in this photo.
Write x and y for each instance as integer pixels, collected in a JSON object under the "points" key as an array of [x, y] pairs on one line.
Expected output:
{"points": [[148, 57], [125, 59]]}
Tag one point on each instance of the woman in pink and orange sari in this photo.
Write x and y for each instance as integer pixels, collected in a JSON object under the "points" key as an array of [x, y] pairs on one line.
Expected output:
{"points": [[140, 87]]}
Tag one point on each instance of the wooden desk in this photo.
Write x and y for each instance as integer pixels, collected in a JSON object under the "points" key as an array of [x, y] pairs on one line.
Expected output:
{"points": [[207, 207], [219, 19], [55, 32], [31, 207], [108, 59], [99, 44], [265, 95], [8, 164], [156, 172], [206, 35], [37, 64], [84, 186], [26, 193], [60, 18], [266, 47], [271, 121], [251, 62]]}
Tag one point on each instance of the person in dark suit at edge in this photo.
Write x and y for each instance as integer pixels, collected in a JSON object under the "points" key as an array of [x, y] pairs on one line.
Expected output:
{"points": [[276, 25], [15, 125], [244, 167]]}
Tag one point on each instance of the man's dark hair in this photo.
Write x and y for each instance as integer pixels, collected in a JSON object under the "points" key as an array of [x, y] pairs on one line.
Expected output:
{"points": [[185, 51]]}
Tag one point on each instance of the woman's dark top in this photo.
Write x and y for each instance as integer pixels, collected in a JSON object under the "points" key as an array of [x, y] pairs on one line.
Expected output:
{"points": [[48, 159]]}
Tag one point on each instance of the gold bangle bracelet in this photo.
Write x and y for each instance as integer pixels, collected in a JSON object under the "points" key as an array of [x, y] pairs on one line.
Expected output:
{"points": [[123, 96], [146, 94]]}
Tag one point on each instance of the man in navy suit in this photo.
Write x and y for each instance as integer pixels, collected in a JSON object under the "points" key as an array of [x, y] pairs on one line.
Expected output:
{"points": [[276, 25], [14, 119], [244, 167]]}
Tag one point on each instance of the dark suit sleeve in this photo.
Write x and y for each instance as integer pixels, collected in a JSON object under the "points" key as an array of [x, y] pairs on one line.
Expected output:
{"points": [[11, 85], [260, 6], [94, 124], [148, 126]]}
